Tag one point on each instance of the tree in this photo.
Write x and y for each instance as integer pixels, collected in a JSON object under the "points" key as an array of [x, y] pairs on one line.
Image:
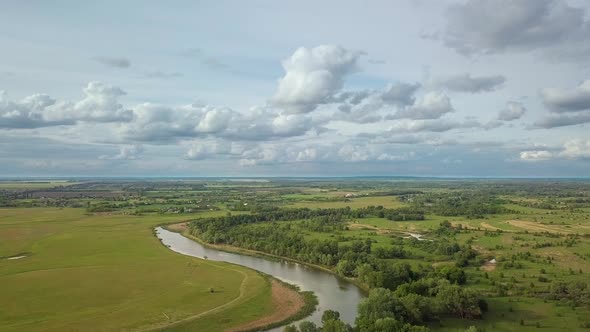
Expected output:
{"points": [[459, 301], [330, 315], [453, 274], [336, 326], [345, 268], [308, 327], [380, 303], [290, 328]]}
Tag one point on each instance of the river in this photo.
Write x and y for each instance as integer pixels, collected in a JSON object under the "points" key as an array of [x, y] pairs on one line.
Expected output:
{"points": [[332, 292]]}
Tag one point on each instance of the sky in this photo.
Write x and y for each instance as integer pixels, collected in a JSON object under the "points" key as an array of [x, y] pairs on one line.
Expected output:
{"points": [[299, 88]]}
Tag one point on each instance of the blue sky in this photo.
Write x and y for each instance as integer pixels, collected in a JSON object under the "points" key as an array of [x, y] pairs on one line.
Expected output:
{"points": [[230, 88]]}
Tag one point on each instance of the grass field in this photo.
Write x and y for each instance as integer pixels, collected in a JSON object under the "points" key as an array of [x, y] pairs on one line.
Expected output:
{"points": [[108, 272]]}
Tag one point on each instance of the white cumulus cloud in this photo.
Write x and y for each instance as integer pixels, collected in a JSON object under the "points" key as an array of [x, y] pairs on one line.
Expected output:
{"points": [[313, 76]]}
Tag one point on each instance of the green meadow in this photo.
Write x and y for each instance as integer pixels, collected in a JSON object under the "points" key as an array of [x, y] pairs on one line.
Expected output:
{"points": [[108, 272]]}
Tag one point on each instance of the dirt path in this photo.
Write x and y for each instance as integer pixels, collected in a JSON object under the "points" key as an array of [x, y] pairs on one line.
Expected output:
{"points": [[485, 225], [213, 310], [488, 266], [537, 227], [363, 226], [370, 227], [286, 302]]}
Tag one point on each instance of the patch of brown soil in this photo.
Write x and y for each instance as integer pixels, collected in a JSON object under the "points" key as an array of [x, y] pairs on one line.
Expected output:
{"points": [[488, 266], [362, 226], [180, 227], [481, 249], [286, 301], [487, 226], [538, 227], [368, 227]]}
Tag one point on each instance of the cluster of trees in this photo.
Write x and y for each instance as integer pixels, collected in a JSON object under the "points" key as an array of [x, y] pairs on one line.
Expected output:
{"points": [[284, 239], [104, 207], [471, 205], [575, 292], [406, 309], [402, 298], [274, 214], [399, 214], [330, 323], [421, 301], [355, 259]]}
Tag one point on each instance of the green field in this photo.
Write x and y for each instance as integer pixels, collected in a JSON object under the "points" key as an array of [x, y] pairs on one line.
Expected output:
{"points": [[108, 272]]}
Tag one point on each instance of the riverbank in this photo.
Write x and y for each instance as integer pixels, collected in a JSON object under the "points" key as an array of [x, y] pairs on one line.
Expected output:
{"points": [[183, 229], [289, 303]]}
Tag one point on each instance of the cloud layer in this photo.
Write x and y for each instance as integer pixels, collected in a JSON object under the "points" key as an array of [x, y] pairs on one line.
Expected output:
{"points": [[436, 88], [496, 26]]}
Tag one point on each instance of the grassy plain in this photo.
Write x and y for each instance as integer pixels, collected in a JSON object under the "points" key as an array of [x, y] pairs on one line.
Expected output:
{"points": [[108, 272]]}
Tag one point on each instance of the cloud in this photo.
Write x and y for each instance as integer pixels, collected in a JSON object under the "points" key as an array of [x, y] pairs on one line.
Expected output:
{"points": [[536, 155], [113, 61], [513, 111], [432, 105], [576, 149], [560, 100], [572, 149], [29, 112], [392, 138], [206, 60], [495, 26], [471, 84], [215, 120], [357, 153], [127, 152], [290, 124], [163, 124], [265, 155], [562, 120], [364, 106], [313, 76], [346, 152], [567, 107], [361, 115], [208, 149], [100, 104], [399, 94], [413, 126]]}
